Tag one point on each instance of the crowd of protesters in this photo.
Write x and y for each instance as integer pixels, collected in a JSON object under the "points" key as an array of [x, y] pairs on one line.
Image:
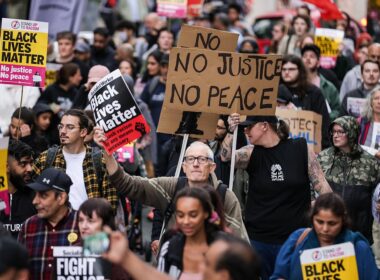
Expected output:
{"points": [[63, 187]]}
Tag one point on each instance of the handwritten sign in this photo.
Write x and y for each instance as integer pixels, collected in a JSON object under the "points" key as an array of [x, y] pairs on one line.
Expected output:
{"points": [[204, 124], [23, 52], [172, 8], [304, 124], [242, 83], [4, 200], [328, 40], [116, 111], [207, 38], [330, 262]]}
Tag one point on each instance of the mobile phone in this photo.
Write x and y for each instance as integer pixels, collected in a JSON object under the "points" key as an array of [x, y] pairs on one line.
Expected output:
{"points": [[96, 244]]}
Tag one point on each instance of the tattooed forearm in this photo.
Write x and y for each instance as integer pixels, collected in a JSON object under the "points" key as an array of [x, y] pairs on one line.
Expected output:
{"points": [[242, 156], [316, 176], [226, 148]]}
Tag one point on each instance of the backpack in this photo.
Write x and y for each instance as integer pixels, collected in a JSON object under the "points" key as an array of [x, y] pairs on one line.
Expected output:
{"points": [[96, 158], [221, 190]]}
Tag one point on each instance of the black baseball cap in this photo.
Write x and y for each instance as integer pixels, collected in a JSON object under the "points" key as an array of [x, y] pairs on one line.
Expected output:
{"points": [[52, 179], [255, 119], [284, 94]]}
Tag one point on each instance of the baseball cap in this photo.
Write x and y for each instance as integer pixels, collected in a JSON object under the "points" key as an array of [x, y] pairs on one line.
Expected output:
{"points": [[255, 119], [96, 73], [164, 59], [284, 94], [52, 179]]}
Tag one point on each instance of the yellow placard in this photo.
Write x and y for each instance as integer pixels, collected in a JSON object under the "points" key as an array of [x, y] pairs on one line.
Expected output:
{"points": [[330, 262], [23, 48]]}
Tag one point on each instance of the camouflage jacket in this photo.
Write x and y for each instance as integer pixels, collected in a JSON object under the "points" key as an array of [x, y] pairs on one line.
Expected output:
{"points": [[355, 168], [353, 175]]}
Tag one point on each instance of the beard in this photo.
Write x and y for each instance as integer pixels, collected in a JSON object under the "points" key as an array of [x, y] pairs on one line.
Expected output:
{"points": [[17, 181]]}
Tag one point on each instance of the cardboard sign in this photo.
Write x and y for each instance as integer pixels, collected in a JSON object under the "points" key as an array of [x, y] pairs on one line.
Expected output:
{"points": [[23, 52], [172, 8], [328, 40], [51, 73], [207, 38], [355, 106], [116, 111], [330, 262], [71, 265], [222, 82], [4, 200], [306, 124], [171, 119]]}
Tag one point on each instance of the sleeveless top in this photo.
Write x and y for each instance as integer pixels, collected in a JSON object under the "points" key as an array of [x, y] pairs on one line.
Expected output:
{"points": [[279, 191]]}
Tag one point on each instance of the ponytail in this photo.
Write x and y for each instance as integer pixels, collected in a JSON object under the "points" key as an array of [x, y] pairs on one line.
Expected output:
{"points": [[281, 128]]}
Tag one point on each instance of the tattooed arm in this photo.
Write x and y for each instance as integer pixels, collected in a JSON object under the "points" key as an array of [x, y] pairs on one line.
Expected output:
{"points": [[316, 176], [242, 155]]}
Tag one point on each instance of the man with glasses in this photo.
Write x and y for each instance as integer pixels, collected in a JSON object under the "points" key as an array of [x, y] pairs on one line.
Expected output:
{"points": [[198, 165], [351, 172], [19, 173], [305, 96], [81, 162]]}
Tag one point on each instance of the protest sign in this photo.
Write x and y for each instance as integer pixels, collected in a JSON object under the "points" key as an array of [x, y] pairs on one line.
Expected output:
{"points": [[172, 119], [51, 73], [328, 40], [207, 38], [306, 124], [70, 264], [194, 8], [330, 262], [241, 83], [4, 200], [23, 51], [375, 141], [171, 122], [116, 111], [172, 8]]}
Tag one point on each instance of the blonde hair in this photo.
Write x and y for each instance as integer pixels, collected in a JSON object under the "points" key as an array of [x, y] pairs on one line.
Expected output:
{"points": [[367, 111]]}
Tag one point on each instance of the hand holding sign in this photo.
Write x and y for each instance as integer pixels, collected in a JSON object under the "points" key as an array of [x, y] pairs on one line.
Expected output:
{"points": [[116, 112]]}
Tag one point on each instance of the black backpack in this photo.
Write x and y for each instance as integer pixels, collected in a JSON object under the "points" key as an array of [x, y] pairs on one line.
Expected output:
{"points": [[96, 158]]}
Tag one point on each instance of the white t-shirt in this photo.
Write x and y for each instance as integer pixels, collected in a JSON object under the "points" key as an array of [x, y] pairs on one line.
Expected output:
{"points": [[74, 168]]}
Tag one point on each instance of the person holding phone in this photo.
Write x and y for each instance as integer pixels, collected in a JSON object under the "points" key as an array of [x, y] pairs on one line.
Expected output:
{"points": [[93, 215]]}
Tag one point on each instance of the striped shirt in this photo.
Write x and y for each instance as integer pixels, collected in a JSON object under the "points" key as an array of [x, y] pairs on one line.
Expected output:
{"points": [[40, 237]]}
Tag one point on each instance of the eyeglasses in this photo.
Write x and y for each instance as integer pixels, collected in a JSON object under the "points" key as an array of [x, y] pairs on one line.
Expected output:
{"points": [[289, 69], [68, 127], [338, 133], [200, 159], [220, 127]]}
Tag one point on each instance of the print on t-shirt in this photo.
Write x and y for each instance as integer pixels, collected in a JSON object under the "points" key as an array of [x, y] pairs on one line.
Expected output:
{"points": [[276, 173]]}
